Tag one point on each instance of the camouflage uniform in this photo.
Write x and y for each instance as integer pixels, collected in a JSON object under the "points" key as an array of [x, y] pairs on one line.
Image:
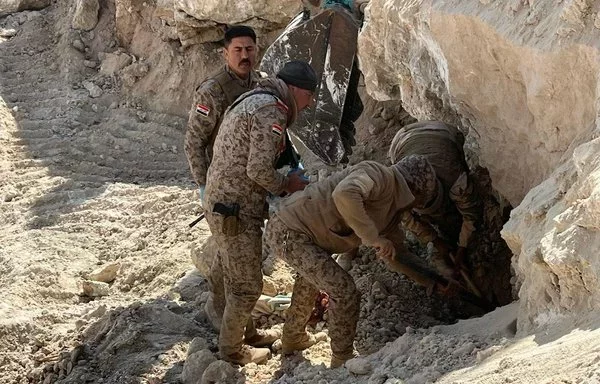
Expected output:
{"points": [[316, 270], [211, 100], [357, 205], [251, 137], [455, 211]]}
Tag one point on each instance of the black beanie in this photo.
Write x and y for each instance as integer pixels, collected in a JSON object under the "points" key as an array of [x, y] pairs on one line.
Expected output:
{"points": [[300, 74]]}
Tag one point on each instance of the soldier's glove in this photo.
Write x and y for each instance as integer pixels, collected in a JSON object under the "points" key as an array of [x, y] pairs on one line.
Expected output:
{"points": [[201, 190], [299, 169], [296, 182]]}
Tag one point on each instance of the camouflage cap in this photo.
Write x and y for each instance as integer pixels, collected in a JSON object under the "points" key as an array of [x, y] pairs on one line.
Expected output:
{"points": [[420, 177], [300, 74]]}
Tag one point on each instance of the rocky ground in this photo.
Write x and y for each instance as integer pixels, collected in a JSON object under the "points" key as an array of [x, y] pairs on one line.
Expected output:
{"points": [[96, 276]]}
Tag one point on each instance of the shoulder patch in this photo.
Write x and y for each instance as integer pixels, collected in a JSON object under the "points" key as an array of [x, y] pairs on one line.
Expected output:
{"points": [[277, 129], [281, 105], [202, 109]]}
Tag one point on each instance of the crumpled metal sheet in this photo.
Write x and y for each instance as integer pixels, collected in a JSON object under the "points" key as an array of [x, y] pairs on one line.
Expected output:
{"points": [[328, 42]]}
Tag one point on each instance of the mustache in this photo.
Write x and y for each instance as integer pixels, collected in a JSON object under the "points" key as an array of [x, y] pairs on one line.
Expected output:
{"points": [[245, 61]]}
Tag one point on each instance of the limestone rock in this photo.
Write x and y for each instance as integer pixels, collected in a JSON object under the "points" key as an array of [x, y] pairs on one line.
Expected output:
{"points": [[220, 372], [269, 286], [263, 14], [113, 62], [94, 288], [195, 365], [359, 366], [522, 93], [197, 345], [555, 235], [203, 256], [106, 273], [133, 72], [93, 89], [8, 32], [86, 15], [11, 6]]}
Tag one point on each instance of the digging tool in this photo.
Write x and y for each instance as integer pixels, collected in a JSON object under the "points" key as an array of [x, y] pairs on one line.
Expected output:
{"points": [[199, 219], [470, 284], [432, 281]]}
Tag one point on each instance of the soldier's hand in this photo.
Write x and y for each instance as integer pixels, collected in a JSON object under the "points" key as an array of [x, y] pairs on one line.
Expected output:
{"points": [[296, 182], [385, 248]]}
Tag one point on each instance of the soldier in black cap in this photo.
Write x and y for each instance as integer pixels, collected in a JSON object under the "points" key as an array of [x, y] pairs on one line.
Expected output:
{"points": [[242, 172]]}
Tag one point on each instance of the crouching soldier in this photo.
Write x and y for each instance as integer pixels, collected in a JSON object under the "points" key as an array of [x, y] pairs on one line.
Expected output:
{"points": [[362, 204], [450, 220]]}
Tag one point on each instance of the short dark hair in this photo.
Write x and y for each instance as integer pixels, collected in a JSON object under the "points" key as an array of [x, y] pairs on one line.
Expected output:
{"points": [[238, 31]]}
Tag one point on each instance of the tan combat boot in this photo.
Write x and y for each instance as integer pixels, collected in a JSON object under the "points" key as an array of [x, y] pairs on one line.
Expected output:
{"points": [[247, 355], [308, 340], [337, 360], [263, 337]]}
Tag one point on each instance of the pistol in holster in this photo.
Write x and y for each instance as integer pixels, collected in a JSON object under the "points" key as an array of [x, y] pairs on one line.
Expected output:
{"points": [[231, 221]]}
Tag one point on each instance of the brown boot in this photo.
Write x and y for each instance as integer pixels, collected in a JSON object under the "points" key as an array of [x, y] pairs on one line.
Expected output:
{"points": [[337, 360], [263, 337], [308, 340], [247, 355]]}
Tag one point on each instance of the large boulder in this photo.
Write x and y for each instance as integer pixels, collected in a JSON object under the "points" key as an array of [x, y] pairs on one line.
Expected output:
{"points": [[261, 14], [10, 6], [521, 80], [555, 233]]}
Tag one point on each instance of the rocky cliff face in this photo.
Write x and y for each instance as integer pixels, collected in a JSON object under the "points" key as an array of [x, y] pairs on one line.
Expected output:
{"points": [[521, 78]]}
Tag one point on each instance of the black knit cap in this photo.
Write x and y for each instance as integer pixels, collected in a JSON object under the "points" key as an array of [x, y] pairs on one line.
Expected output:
{"points": [[300, 74]]}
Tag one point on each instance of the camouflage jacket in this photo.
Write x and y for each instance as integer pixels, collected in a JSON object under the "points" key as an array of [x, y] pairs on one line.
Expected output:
{"points": [[211, 99], [352, 207], [456, 210], [250, 139]]}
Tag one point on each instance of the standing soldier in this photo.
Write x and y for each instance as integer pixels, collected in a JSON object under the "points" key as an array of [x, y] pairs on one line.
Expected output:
{"points": [[362, 204], [215, 95], [242, 172], [212, 98]]}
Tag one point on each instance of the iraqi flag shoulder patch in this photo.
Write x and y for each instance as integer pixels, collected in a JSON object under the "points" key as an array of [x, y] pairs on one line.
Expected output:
{"points": [[277, 129], [202, 109], [281, 105]]}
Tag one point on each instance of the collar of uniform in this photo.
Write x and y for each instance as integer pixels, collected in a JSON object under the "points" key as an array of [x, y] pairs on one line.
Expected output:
{"points": [[248, 83], [283, 92]]}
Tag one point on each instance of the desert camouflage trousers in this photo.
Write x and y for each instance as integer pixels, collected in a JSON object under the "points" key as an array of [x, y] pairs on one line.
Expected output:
{"points": [[236, 280], [315, 270]]}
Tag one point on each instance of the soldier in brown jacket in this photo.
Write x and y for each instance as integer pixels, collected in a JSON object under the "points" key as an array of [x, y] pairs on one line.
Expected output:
{"points": [[242, 172], [455, 211], [363, 204]]}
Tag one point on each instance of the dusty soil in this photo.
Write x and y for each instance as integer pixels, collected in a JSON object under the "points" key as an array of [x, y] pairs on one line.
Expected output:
{"points": [[101, 183]]}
